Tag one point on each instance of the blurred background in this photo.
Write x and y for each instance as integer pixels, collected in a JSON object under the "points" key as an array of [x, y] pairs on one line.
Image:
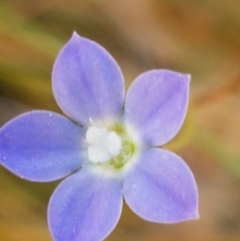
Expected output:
{"points": [[200, 37]]}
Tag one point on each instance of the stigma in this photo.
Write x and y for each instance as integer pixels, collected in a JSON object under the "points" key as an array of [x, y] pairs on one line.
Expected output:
{"points": [[103, 145]]}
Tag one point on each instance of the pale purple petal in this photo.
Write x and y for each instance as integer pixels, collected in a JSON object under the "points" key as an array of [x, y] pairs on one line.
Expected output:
{"points": [[87, 82], [41, 146], [156, 105], [86, 206], [161, 188]]}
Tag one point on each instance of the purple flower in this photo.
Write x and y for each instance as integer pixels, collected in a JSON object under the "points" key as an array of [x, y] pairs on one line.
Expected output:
{"points": [[108, 148]]}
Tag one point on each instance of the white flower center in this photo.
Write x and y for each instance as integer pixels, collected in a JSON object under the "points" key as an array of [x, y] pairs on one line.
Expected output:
{"points": [[103, 145]]}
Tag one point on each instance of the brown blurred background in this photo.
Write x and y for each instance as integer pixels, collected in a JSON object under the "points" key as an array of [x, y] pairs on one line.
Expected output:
{"points": [[201, 37]]}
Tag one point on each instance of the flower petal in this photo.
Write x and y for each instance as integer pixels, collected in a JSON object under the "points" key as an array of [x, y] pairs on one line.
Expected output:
{"points": [[156, 105], [87, 82], [41, 146], [86, 206], [161, 188]]}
